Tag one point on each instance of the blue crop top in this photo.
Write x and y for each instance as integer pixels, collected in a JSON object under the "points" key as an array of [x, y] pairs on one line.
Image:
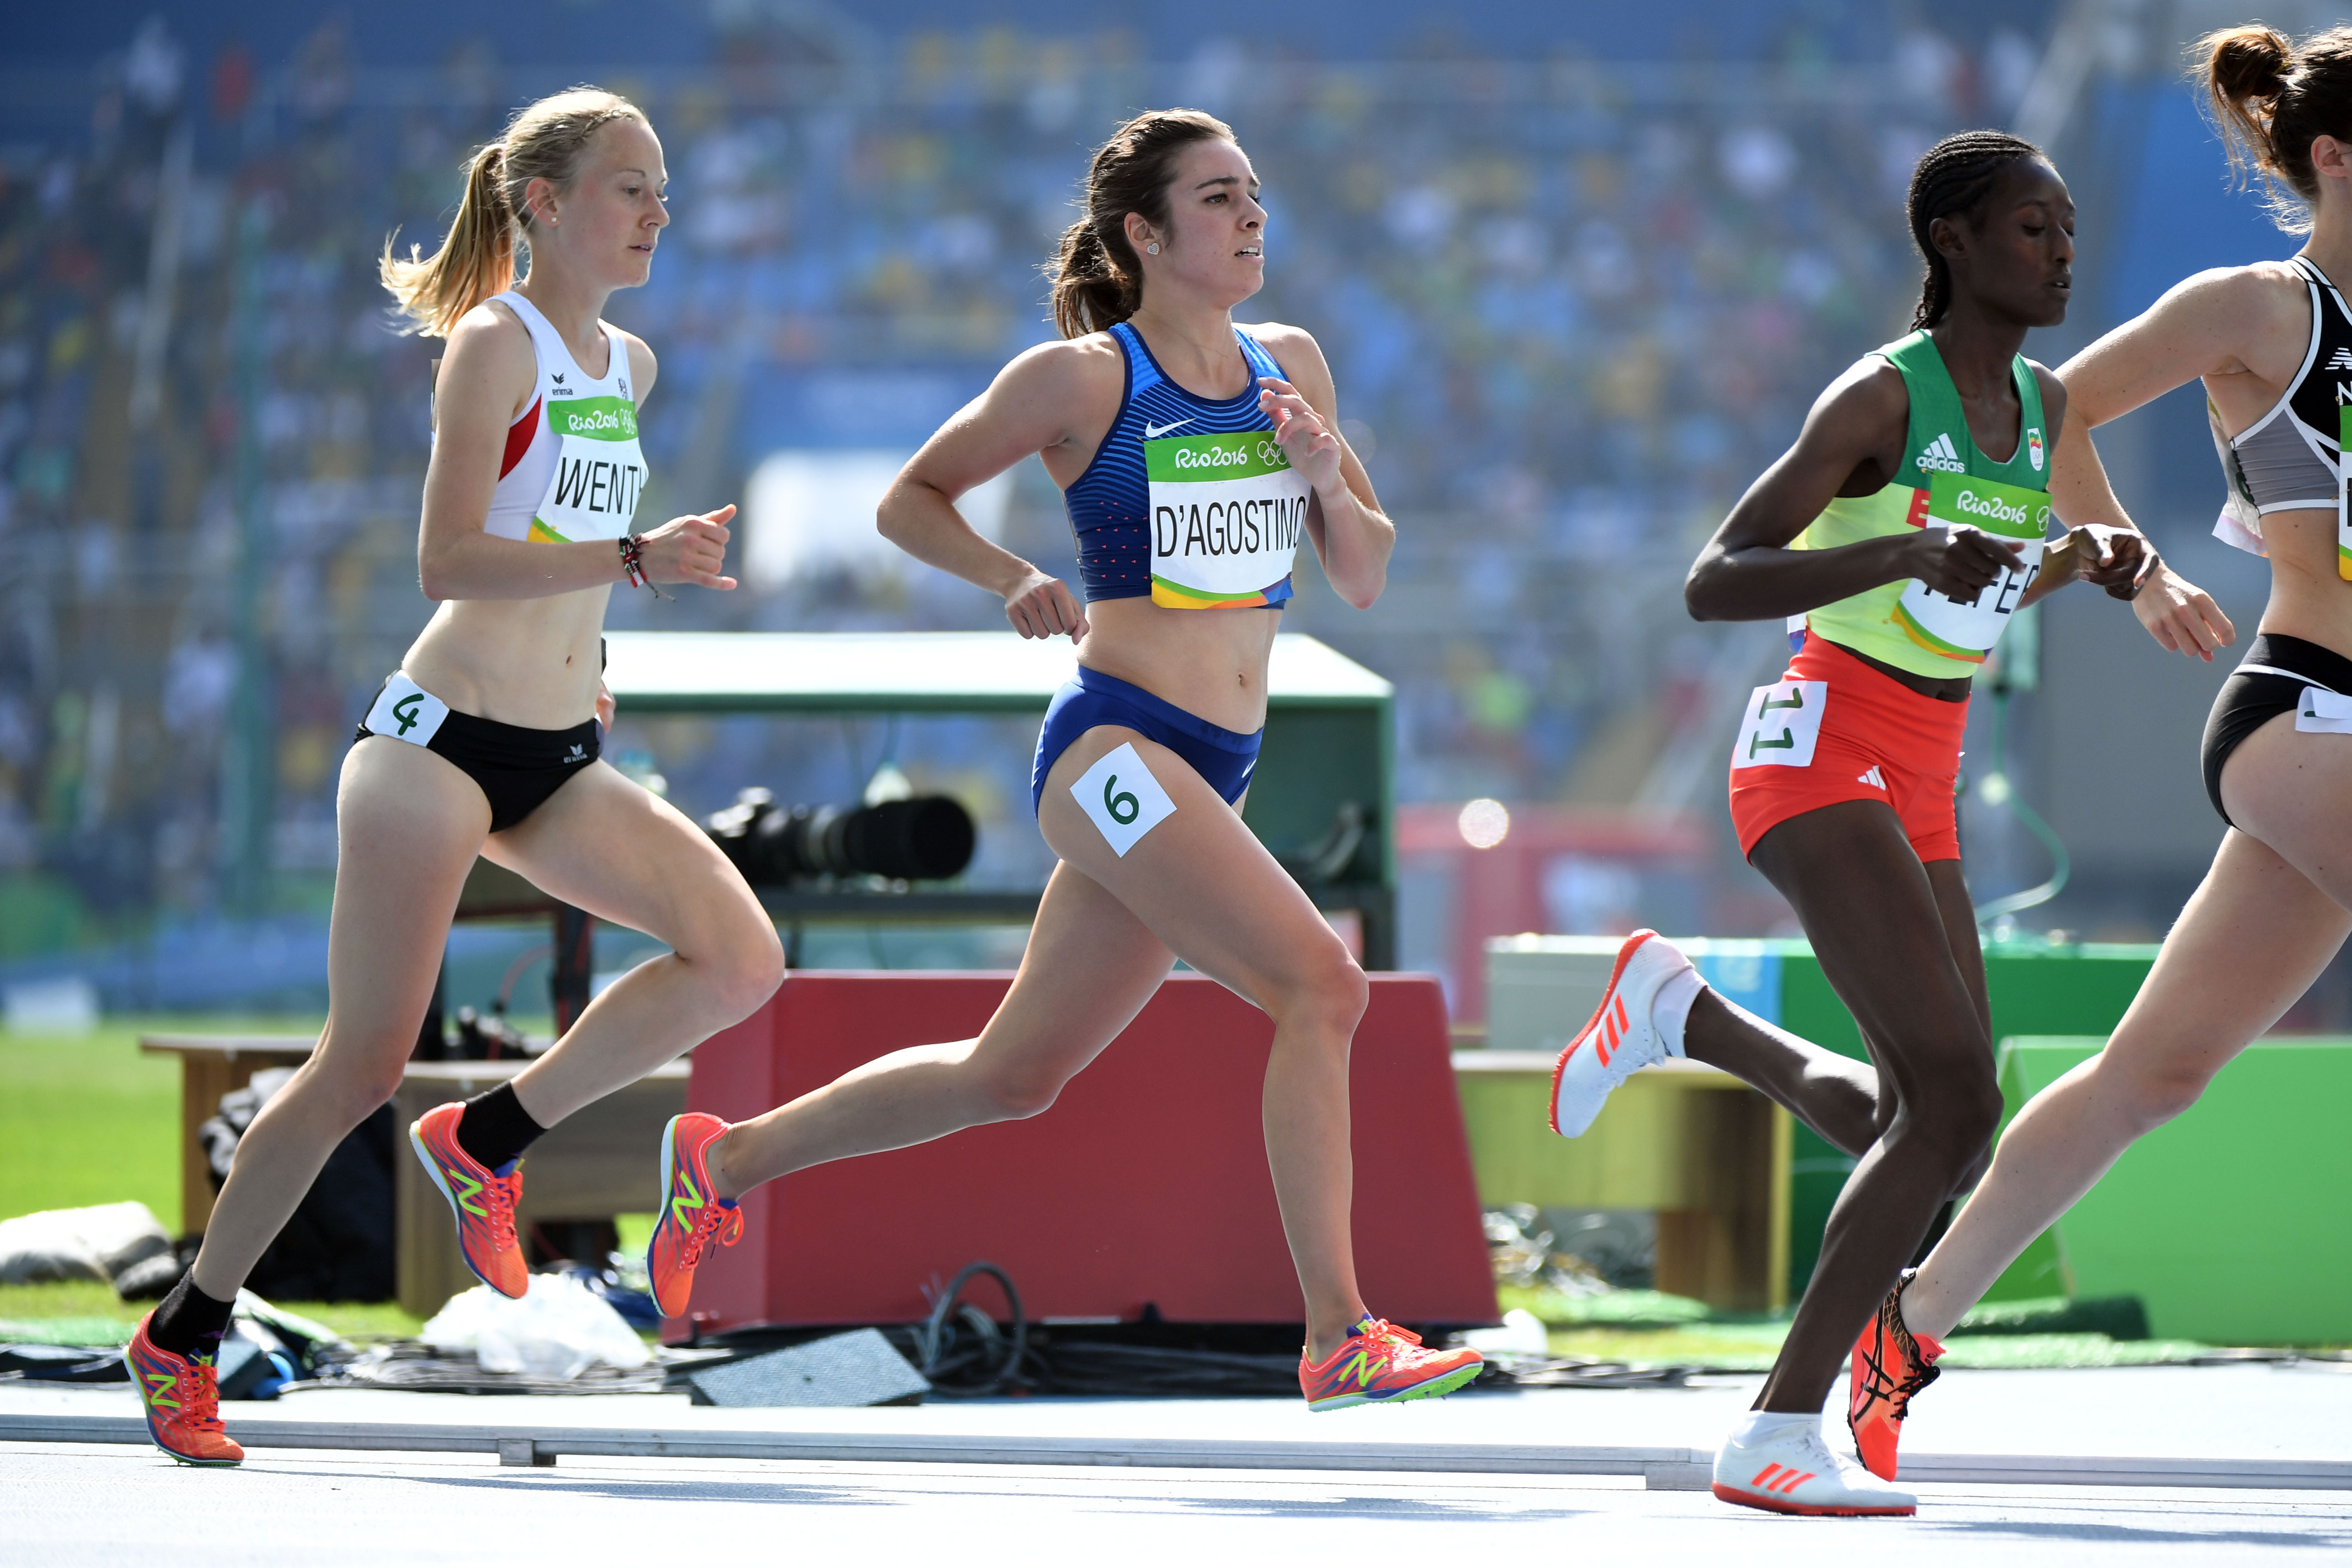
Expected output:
{"points": [[1189, 500]]}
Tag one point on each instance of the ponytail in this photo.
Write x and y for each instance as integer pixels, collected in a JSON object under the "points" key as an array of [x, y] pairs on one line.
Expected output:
{"points": [[546, 141], [2271, 99], [1098, 280], [1090, 292], [476, 261]]}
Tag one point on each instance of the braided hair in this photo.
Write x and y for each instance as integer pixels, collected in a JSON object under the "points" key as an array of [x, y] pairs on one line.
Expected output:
{"points": [[1953, 179]]}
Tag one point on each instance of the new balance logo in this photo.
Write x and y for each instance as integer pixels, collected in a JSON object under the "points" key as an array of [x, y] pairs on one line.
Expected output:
{"points": [[1940, 454], [161, 1389], [2340, 359], [1153, 432], [466, 1191], [1780, 1478], [1871, 778], [685, 1202], [1610, 1033]]}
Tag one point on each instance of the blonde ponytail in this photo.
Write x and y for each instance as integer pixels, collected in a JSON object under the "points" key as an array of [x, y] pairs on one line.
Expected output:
{"points": [[477, 259]]}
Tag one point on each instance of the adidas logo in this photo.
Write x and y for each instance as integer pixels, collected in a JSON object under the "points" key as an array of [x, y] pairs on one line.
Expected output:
{"points": [[1871, 778], [1780, 1478], [2341, 360], [1610, 1033], [1940, 454]]}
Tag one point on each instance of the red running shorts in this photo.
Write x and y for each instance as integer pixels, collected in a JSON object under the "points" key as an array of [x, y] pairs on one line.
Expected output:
{"points": [[1832, 729]]}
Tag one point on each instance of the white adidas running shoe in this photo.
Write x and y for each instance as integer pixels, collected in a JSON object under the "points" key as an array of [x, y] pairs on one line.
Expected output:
{"points": [[1620, 1039], [1795, 1471]]}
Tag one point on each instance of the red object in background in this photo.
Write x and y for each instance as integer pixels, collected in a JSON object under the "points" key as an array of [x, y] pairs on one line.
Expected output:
{"points": [[232, 82], [1499, 890], [1145, 1184]]}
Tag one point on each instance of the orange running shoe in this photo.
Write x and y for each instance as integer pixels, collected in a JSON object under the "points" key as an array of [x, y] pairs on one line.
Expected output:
{"points": [[1380, 1364], [182, 1398], [482, 1200], [692, 1216], [1890, 1365]]}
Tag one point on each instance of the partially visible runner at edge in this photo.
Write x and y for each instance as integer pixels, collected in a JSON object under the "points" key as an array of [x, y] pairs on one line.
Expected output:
{"points": [[1905, 528], [2272, 342], [484, 741], [1165, 425]]}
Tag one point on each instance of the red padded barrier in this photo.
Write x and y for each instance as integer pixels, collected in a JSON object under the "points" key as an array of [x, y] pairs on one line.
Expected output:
{"points": [[1146, 1183]]}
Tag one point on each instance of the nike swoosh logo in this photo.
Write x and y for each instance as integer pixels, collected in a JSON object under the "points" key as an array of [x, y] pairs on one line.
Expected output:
{"points": [[1153, 432]]}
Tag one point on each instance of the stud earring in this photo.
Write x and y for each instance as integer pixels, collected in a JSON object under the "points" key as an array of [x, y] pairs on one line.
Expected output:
{"points": [[1153, 249]]}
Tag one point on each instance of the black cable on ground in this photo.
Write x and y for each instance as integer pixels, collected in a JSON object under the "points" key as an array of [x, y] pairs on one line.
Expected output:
{"points": [[946, 1363]]}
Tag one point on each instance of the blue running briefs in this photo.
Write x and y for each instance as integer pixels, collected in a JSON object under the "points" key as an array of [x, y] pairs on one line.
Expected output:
{"points": [[1219, 755]]}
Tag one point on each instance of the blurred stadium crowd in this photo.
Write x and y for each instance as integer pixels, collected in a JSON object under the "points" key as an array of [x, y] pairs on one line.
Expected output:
{"points": [[1573, 305]]}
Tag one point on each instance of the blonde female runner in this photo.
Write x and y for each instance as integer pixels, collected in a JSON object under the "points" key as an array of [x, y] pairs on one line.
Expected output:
{"points": [[1195, 456], [484, 741]]}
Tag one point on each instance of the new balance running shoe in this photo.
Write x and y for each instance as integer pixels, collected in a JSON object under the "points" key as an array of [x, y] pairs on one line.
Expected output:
{"points": [[1891, 1363], [692, 1217], [1380, 1364], [1620, 1039], [482, 1200], [1793, 1471], [181, 1397]]}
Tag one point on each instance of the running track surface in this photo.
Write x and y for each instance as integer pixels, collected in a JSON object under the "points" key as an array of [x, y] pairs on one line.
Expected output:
{"points": [[103, 1506], [106, 1504]]}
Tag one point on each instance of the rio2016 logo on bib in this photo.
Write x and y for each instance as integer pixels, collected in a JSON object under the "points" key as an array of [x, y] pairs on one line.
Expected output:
{"points": [[600, 472], [1967, 630], [1227, 514]]}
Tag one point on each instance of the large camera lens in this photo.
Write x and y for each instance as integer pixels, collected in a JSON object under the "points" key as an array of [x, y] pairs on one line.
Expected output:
{"points": [[926, 840]]}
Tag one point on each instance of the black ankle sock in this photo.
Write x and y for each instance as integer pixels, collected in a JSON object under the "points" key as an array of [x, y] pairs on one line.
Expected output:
{"points": [[187, 1318], [494, 1127]]}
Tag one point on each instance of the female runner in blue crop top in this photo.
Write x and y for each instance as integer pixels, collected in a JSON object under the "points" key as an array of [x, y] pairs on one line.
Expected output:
{"points": [[1193, 466]]}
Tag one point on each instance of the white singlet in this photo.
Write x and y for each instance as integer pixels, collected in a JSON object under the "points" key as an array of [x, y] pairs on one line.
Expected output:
{"points": [[572, 468]]}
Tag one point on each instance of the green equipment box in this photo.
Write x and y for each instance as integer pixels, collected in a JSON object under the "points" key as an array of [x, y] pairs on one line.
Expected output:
{"points": [[1325, 778], [1540, 989], [2233, 1223]]}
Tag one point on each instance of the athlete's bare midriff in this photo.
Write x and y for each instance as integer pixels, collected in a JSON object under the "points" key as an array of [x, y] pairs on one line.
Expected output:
{"points": [[2307, 600], [534, 663], [1209, 663]]}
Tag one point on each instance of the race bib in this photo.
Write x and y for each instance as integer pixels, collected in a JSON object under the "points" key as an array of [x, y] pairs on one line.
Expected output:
{"points": [[406, 711], [1968, 628], [2324, 712], [1227, 514], [2344, 491], [1781, 725], [1119, 795], [599, 472]]}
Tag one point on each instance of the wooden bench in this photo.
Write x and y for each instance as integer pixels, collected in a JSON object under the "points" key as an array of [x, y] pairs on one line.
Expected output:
{"points": [[600, 1162], [1697, 1147]]}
